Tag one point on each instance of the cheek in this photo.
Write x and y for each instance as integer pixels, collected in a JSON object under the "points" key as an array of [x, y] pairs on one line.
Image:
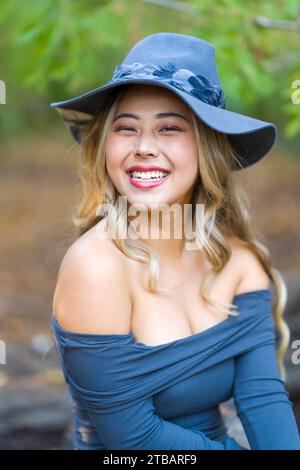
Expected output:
{"points": [[114, 155], [185, 161]]}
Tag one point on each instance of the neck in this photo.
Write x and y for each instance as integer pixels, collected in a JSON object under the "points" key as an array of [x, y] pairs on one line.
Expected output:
{"points": [[167, 237]]}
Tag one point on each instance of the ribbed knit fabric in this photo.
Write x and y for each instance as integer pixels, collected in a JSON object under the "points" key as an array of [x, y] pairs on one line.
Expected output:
{"points": [[128, 395]]}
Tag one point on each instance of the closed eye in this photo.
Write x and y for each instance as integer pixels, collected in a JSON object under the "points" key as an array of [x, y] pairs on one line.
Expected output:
{"points": [[168, 128]]}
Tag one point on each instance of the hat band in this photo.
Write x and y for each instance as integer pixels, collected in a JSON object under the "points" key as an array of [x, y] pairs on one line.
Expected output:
{"points": [[183, 79]]}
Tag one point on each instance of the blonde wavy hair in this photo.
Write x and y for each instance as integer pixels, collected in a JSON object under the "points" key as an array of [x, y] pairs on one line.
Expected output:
{"points": [[226, 213]]}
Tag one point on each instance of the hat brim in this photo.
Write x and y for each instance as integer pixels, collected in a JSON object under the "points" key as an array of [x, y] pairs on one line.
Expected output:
{"points": [[251, 138]]}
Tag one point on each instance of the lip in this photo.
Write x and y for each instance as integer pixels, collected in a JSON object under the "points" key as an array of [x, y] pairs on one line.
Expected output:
{"points": [[146, 168], [147, 185]]}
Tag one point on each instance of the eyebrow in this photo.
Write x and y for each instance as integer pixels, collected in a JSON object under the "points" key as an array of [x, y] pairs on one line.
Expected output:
{"points": [[158, 116]]}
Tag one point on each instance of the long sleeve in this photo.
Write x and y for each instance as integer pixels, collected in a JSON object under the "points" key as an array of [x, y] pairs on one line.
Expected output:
{"points": [[98, 376], [109, 380], [134, 426], [117, 381], [138, 427], [262, 402]]}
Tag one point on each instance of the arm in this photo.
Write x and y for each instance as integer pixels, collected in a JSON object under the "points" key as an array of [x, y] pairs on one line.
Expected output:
{"points": [[261, 399], [90, 304], [138, 427]]}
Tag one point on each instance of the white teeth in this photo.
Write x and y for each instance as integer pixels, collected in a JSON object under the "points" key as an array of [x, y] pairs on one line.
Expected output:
{"points": [[148, 175]]}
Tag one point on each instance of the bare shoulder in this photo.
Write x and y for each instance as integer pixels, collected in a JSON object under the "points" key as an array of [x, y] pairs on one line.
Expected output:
{"points": [[252, 275], [93, 293]]}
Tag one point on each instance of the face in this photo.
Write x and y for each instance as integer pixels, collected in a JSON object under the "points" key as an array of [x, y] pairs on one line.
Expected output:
{"points": [[152, 127]]}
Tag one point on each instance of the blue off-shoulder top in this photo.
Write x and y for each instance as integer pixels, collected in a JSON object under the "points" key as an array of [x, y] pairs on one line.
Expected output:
{"points": [[128, 395]]}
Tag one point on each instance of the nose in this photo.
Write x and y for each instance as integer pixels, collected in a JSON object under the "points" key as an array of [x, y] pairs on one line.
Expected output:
{"points": [[145, 148]]}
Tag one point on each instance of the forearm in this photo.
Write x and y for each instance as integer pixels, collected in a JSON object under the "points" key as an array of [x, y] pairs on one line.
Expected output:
{"points": [[137, 427], [262, 402]]}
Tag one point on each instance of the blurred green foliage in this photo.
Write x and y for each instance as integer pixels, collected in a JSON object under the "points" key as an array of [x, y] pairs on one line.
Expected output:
{"points": [[52, 50]]}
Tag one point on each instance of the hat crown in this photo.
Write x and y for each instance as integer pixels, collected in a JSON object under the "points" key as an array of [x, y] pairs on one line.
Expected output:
{"points": [[182, 50]]}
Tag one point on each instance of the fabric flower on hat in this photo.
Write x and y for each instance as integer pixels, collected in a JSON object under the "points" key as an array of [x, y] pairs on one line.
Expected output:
{"points": [[183, 79]]}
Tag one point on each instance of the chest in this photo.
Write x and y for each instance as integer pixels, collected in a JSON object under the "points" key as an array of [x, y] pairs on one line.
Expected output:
{"points": [[197, 393], [182, 311]]}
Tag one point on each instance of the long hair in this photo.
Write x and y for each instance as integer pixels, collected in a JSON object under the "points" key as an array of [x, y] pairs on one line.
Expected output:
{"points": [[227, 210]]}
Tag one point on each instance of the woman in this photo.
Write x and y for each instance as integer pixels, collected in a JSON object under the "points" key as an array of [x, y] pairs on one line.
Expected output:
{"points": [[148, 366]]}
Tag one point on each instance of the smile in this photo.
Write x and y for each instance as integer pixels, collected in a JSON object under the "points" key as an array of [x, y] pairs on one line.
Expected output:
{"points": [[147, 179]]}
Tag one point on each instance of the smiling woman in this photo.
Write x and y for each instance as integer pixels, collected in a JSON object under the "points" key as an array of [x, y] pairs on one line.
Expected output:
{"points": [[136, 355], [152, 138]]}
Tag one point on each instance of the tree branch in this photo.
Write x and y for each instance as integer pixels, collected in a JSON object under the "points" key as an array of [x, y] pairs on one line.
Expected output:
{"points": [[264, 22], [174, 5]]}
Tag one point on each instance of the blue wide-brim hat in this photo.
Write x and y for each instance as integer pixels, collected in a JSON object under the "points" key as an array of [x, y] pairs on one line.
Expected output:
{"points": [[186, 66]]}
